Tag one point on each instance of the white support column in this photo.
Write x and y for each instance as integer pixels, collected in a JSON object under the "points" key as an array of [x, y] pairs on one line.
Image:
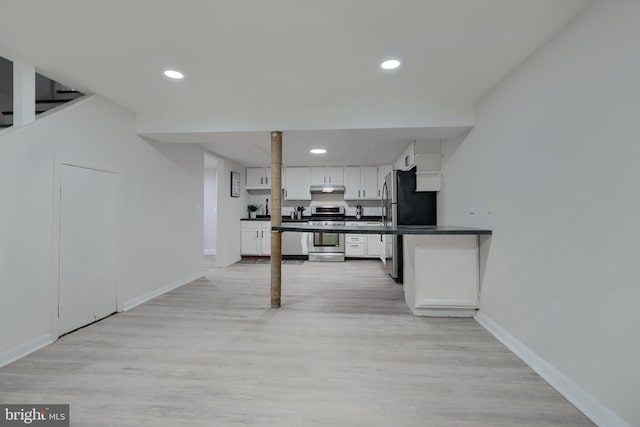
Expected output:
{"points": [[24, 93]]}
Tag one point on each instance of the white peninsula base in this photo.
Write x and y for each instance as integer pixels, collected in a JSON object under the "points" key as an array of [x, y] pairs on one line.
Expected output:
{"points": [[441, 275]]}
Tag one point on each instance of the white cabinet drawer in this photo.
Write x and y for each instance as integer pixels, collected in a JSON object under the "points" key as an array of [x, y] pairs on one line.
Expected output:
{"points": [[354, 249], [249, 224], [263, 225], [354, 238]]}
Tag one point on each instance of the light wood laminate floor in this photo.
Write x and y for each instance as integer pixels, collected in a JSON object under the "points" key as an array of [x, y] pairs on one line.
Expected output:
{"points": [[344, 350]]}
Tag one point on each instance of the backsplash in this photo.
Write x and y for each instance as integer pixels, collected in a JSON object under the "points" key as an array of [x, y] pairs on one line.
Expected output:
{"points": [[369, 207]]}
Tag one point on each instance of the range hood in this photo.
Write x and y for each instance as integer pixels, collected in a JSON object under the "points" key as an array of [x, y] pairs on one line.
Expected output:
{"points": [[327, 188]]}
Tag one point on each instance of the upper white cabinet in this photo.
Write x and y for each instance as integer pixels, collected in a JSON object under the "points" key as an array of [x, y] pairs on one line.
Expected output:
{"points": [[297, 182], [361, 182], [258, 178], [407, 159], [369, 182], [352, 182], [428, 158], [383, 171], [321, 175], [425, 155]]}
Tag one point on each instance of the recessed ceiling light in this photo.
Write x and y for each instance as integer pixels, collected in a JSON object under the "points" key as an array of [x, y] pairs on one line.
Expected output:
{"points": [[173, 74], [318, 150], [390, 64]]}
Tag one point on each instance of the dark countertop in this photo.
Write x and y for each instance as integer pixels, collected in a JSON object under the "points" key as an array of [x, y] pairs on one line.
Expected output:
{"points": [[306, 219], [400, 229]]}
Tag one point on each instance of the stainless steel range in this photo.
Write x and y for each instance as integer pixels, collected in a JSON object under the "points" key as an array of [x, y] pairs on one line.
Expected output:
{"points": [[326, 246]]}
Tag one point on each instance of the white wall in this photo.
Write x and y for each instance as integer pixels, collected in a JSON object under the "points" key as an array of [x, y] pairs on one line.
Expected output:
{"points": [[555, 152], [230, 210], [210, 210], [159, 214]]}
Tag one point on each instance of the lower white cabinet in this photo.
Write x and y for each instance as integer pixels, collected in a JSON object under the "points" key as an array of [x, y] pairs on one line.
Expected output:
{"points": [[375, 244], [363, 245], [441, 275], [255, 238], [355, 245]]}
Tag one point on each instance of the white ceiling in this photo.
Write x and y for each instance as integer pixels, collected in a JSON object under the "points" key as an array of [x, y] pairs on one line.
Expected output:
{"points": [[344, 147], [282, 64]]}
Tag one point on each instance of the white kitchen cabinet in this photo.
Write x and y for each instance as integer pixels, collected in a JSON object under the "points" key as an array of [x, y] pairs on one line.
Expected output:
{"points": [[318, 175], [354, 249], [255, 177], [355, 245], [441, 274], [352, 182], [361, 182], [255, 238], [297, 182], [428, 158], [407, 159], [369, 182], [321, 175], [374, 245], [362, 245], [383, 171], [249, 239], [259, 178], [335, 174], [265, 238]]}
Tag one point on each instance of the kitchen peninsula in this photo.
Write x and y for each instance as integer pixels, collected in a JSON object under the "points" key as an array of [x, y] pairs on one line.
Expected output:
{"points": [[441, 264]]}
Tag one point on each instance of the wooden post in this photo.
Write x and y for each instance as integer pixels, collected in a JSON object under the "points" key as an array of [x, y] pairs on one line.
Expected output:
{"points": [[276, 217]]}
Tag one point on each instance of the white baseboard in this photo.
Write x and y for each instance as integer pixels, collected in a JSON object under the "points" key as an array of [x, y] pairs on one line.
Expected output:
{"points": [[128, 305], [11, 355], [580, 398], [210, 252]]}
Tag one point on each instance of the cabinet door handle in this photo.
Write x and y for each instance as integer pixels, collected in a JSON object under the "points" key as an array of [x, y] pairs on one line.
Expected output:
{"points": [[406, 160], [378, 192], [266, 180], [261, 178], [324, 179], [329, 180], [257, 234], [285, 194], [358, 193], [364, 193], [262, 234]]}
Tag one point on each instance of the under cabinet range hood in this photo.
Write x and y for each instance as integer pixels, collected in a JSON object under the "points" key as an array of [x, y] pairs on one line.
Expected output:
{"points": [[326, 188]]}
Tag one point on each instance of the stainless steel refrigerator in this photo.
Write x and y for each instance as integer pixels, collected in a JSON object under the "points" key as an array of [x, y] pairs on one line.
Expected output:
{"points": [[403, 205]]}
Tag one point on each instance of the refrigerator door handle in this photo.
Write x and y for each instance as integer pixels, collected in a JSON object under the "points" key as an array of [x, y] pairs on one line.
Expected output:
{"points": [[384, 200]]}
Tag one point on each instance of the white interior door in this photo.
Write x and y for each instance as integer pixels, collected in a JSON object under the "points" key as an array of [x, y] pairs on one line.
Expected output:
{"points": [[88, 269]]}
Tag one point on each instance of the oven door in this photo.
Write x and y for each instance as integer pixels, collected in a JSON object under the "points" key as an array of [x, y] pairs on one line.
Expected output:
{"points": [[326, 242]]}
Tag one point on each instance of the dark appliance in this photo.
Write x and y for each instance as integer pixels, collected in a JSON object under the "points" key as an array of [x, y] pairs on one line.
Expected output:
{"points": [[326, 246], [403, 205]]}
